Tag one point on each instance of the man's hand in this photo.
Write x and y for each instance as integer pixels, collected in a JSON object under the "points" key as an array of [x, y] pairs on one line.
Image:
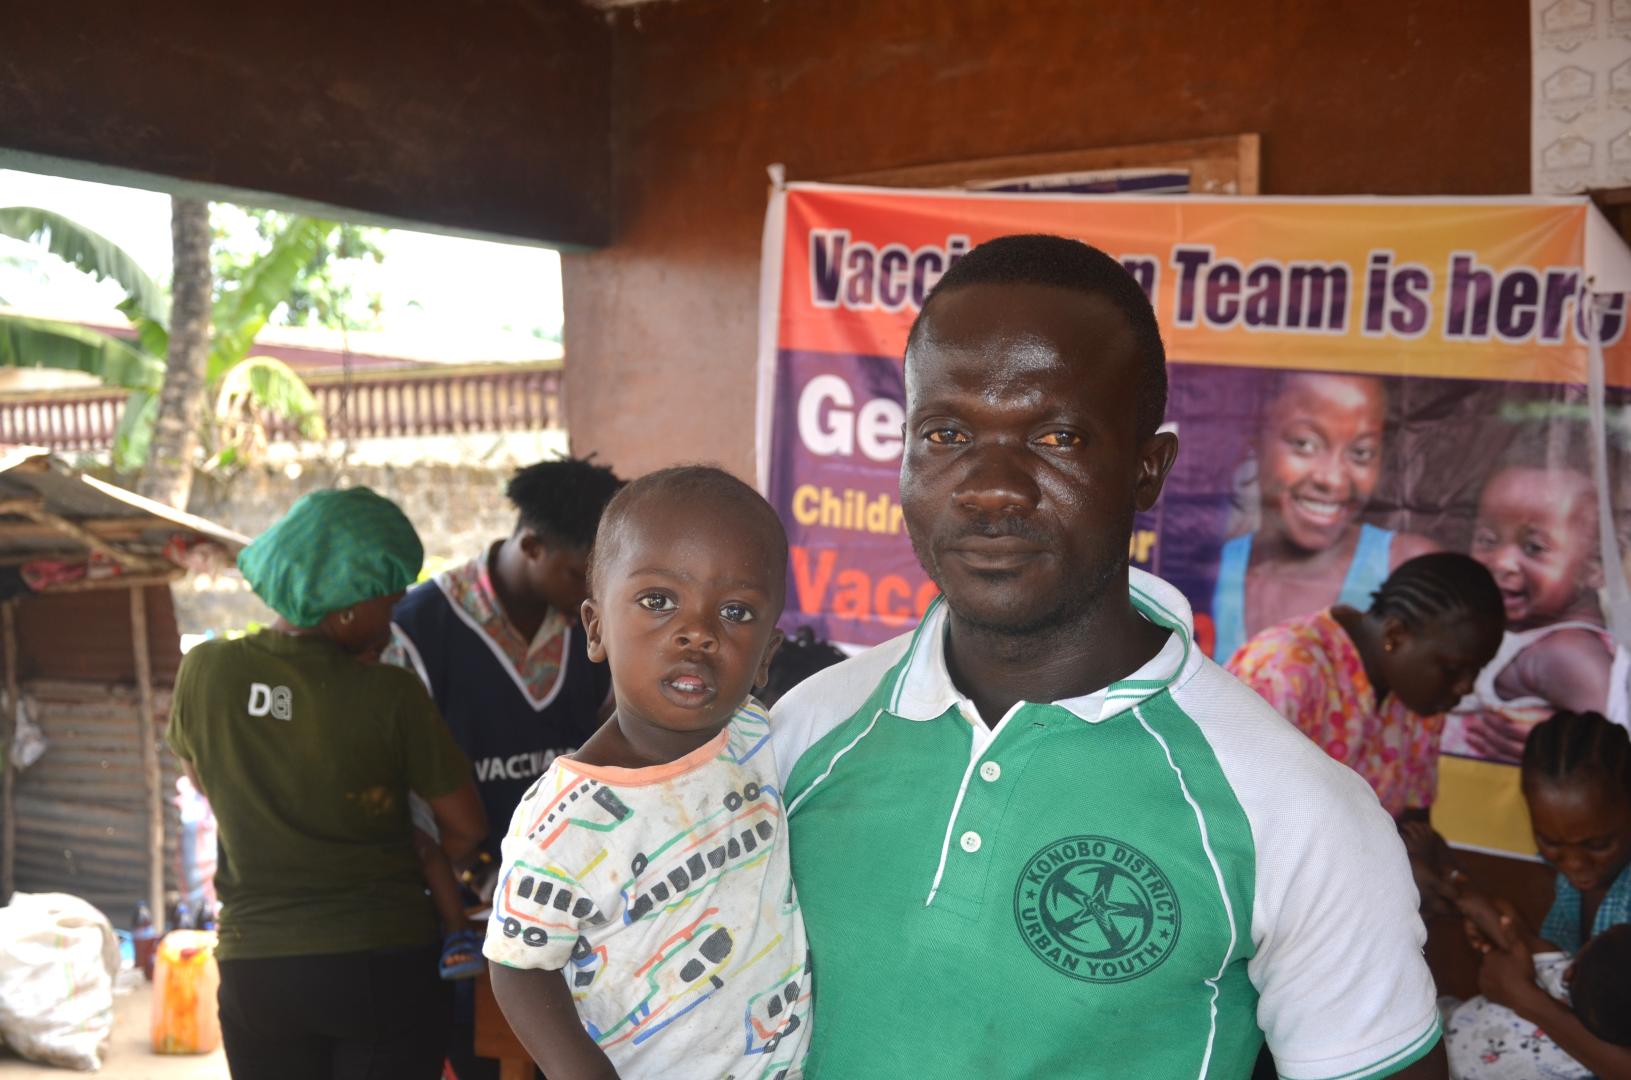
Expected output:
{"points": [[1489, 922], [1493, 924], [1507, 976], [1432, 866]]}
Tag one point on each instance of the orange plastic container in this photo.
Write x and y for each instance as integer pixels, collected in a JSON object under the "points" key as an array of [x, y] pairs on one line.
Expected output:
{"points": [[185, 981]]}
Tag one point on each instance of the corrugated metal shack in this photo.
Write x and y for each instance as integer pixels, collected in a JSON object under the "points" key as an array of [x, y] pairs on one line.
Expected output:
{"points": [[88, 656]]}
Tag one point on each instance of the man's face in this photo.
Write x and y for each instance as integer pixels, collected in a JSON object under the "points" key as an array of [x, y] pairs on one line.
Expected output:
{"points": [[1023, 465], [556, 573]]}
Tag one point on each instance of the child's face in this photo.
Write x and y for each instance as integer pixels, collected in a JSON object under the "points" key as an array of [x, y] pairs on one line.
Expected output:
{"points": [[1537, 535], [1320, 453], [685, 612], [1583, 829]]}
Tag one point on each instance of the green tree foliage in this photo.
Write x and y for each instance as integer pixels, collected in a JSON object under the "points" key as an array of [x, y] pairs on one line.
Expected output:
{"points": [[243, 303], [326, 292]]}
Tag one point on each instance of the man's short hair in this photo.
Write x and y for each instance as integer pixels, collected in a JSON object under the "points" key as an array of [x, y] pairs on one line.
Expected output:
{"points": [[562, 499], [1039, 259]]}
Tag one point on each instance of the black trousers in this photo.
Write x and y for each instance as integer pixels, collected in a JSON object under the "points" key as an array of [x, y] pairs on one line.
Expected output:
{"points": [[348, 1016]]}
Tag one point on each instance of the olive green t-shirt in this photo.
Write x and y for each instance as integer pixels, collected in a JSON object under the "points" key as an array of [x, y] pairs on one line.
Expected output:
{"points": [[307, 756]]}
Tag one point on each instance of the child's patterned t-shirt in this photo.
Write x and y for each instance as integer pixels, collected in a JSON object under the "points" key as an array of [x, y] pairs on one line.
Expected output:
{"points": [[664, 897]]}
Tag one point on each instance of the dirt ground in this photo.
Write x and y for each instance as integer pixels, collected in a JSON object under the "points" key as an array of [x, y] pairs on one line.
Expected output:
{"points": [[129, 1057]]}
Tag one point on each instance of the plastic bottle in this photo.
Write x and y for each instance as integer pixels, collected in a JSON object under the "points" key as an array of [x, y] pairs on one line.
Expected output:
{"points": [[184, 916], [186, 981], [146, 938], [206, 916]]}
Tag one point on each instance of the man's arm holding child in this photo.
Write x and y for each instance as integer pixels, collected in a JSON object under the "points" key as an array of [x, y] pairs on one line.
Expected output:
{"points": [[538, 1005]]}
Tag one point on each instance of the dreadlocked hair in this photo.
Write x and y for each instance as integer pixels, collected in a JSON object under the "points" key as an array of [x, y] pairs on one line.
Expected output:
{"points": [[562, 499], [1578, 744], [1443, 585], [1600, 985]]}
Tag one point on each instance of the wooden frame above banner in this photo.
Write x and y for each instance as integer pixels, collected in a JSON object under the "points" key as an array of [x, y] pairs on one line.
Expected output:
{"points": [[1224, 165]]}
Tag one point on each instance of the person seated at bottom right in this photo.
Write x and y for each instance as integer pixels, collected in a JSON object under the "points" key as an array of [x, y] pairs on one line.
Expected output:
{"points": [[1576, 782], [1488, 1040]]}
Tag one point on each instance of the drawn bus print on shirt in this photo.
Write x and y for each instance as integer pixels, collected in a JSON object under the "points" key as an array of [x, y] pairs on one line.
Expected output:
{"points": [[538, 903], [587, 805], [684, 972], [773, 1014], [735, 837]]}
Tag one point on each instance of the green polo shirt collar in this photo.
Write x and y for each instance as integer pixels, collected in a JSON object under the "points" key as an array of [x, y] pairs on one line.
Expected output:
{"points": [[924, 690]]}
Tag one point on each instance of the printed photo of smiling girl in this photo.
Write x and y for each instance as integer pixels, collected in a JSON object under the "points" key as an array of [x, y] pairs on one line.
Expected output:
{"points": [[1315, 462], [645, 923], [1536, 531]]}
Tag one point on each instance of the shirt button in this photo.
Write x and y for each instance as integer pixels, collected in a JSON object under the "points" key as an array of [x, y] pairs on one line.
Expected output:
{"points": [[990, 770], [971, 841]]}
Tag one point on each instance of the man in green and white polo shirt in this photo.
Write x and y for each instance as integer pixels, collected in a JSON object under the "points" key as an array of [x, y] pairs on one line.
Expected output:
{"points": [[1042, 835]]}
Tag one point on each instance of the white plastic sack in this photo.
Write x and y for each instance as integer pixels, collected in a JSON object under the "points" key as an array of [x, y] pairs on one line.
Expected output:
{"points": [[28, 742], [58, 957]]}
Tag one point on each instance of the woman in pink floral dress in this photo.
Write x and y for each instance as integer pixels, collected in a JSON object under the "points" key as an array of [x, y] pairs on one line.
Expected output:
{"points": [[1371, 687]]}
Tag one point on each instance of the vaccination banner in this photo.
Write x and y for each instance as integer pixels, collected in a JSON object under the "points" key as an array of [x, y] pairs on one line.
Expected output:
{"points": [[1354, 382]]}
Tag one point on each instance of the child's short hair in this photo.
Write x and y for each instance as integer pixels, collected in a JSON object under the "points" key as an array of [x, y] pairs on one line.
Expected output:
{"points": [[1578, 744], [1600, 985], [691, 482], [800, 656], [562, 499]]}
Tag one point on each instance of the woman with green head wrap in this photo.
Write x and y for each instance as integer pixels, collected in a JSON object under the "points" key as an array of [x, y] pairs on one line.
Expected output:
{"points": [[308, 751]]}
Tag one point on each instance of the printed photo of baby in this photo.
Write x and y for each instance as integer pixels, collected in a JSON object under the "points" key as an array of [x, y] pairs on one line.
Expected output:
{"points": [[1537, 532]]}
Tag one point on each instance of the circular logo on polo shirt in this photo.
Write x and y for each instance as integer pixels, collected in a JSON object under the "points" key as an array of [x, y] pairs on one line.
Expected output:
{"points": [[1096, 909]]}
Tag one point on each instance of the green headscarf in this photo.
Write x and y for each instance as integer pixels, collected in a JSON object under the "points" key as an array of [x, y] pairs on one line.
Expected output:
{"points": [[331, 550]]}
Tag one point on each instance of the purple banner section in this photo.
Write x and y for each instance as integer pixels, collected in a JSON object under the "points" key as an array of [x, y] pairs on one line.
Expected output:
{"points": [[1293, 491], [835, 480]]}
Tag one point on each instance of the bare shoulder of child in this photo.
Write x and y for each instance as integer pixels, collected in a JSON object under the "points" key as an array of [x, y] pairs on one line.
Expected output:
{"points": [[1569, 668]]}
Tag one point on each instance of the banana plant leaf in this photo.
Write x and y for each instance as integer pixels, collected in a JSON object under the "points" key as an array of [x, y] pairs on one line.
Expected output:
{"points": [[270, 384], [153, 336], [241, 313], [134, 435], [46, 343], [89, 251]]}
